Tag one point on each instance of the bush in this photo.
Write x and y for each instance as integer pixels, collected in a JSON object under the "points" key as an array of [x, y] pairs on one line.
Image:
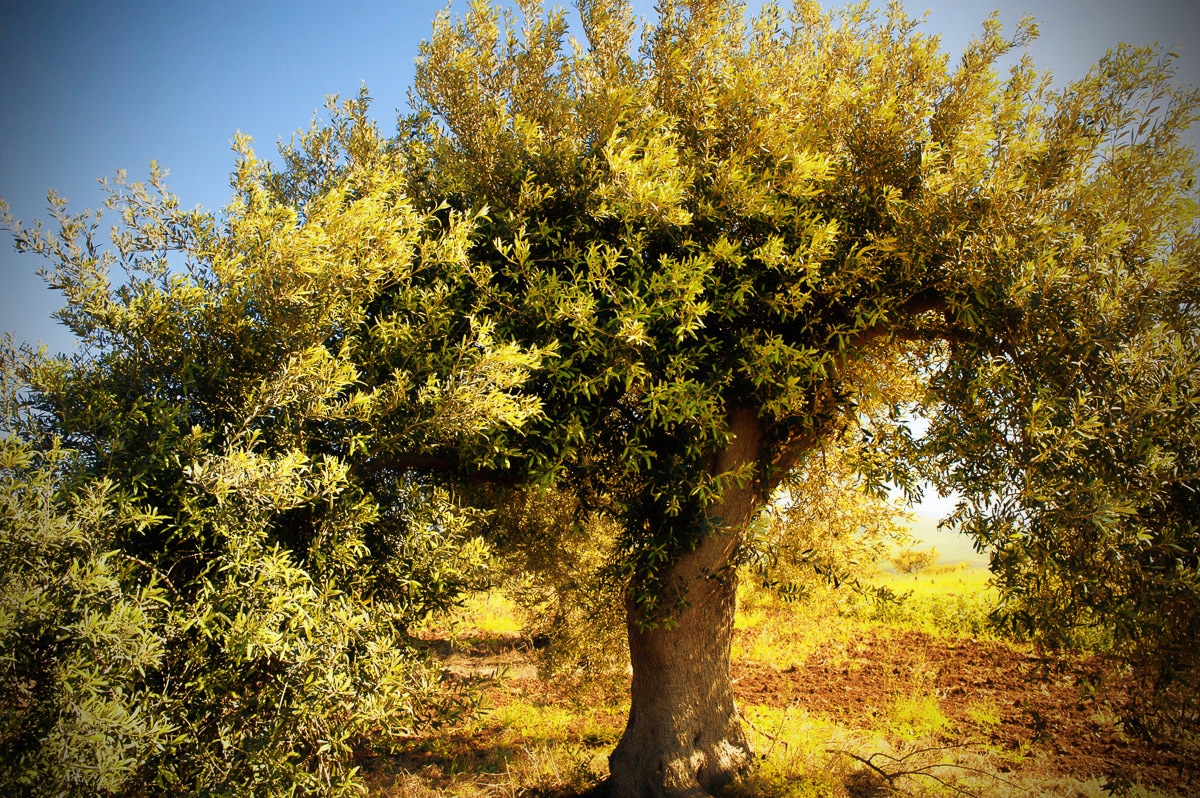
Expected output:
{"points": [[79, 632], [211, 553], [258, 675]]}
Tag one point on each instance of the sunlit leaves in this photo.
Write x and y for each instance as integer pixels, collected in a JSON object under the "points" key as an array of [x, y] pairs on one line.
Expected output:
{"points": [[646, 182], [228, 610], [79, 633], [756, 213]]}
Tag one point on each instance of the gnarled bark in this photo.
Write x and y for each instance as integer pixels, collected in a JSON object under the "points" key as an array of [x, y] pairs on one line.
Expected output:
{"points": [[684, 737]]}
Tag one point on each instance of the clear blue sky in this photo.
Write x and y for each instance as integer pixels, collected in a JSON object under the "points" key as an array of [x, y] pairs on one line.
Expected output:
{"points": [[90, 87]]}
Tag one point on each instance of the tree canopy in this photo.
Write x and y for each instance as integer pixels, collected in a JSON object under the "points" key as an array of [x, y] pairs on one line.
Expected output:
{"points": [[199, 593], [654, 272]]}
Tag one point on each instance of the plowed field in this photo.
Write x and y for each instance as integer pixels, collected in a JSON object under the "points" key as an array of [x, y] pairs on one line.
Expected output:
{"points": [[1041, 707]]}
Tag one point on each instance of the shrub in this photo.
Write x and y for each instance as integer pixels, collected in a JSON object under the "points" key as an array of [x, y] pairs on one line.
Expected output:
{"points": [[210, 556], [256, 675]]}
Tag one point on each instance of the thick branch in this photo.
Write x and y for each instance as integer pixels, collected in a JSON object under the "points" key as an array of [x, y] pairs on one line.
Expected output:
{"points": [[791, 451], [922, 302]]}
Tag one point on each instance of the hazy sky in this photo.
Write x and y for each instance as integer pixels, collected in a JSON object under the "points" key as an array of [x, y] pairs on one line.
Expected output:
{"points": [[90, 87]]}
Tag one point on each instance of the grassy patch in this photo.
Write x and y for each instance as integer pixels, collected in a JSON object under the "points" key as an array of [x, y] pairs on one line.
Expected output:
{"points": [[843, 697], [517, 746], [916, 717], [771, 630], [984, 713], [952, 600], [793, 758]]}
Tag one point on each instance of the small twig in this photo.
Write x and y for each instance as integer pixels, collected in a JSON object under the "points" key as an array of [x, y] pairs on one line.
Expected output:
{"points": [[944, 764], [942, 782], [165, 579], [923, 770], [916, 751], [750, 723], [778, 732], [969, 769], [866, 761], [774, 738]]}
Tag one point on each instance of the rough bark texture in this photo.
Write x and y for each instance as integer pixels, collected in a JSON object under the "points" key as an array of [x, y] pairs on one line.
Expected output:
{"points": [[684, 737]]}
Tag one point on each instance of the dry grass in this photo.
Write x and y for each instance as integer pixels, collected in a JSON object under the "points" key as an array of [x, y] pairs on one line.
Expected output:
{"points": [[551, 737]]}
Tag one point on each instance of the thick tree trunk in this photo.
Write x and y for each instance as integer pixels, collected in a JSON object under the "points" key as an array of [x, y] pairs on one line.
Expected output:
{"points": [[684, 737]]}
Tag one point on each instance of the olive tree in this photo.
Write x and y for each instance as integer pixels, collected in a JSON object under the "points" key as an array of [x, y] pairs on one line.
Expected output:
{"points": [[199, 591], [653, 273], [735, 231]]}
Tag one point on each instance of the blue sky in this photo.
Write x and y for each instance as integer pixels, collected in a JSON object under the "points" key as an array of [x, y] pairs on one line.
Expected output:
{"points": [[90, 87]]}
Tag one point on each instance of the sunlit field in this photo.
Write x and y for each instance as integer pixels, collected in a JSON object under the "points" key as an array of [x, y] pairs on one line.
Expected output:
{"points": [[841, 695]]}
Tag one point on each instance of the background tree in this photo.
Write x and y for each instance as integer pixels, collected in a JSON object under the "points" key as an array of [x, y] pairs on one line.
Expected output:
{"points": [[1076, 453], [199, 593]]}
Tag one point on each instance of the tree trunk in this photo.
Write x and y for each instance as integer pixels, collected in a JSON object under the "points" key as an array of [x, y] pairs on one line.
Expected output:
{"points": [[683, 737]]}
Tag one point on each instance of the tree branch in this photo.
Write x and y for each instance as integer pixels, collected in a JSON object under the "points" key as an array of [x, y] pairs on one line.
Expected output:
{"points": [[921, 302], [434, 463], [922, 769]]}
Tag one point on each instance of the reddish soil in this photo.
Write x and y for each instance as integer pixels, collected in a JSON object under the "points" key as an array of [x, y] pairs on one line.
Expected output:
{"points": [[1034, 715], [1042, 705]]}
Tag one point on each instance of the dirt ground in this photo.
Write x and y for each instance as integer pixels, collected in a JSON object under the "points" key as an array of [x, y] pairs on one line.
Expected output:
{"points": [[1040, 707], [1031, 716]]}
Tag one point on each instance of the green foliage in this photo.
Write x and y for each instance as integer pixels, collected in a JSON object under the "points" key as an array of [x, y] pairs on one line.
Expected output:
{"points": [[825, 524], [79, 632], [572, 268], [948, 601], [560, 566], [1070, 425], [210, 558]]}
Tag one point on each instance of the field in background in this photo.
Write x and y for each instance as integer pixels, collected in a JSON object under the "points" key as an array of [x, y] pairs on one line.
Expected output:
{"points": [[953, 548], [842, 696]]}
